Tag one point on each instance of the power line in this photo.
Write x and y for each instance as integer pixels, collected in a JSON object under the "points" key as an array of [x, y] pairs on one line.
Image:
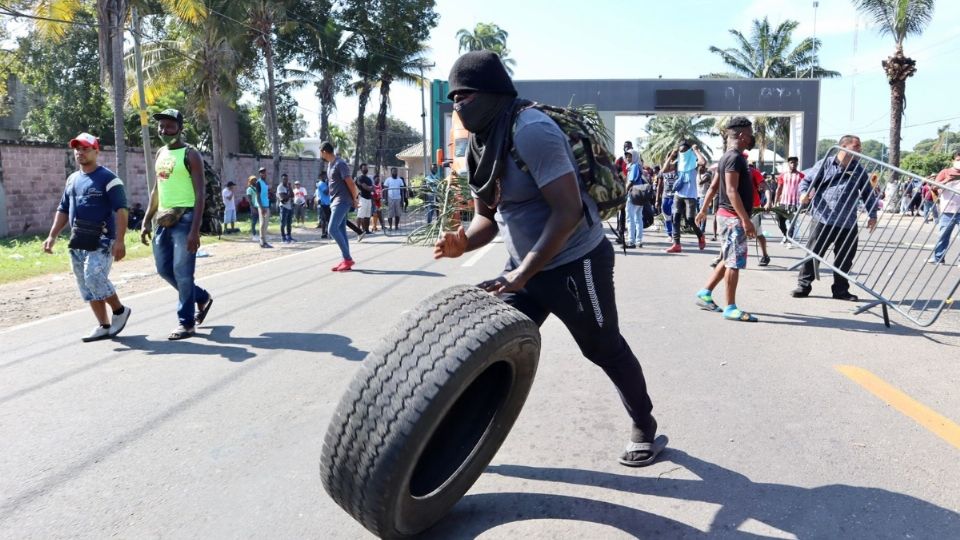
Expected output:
{"points": [[919, 124]]}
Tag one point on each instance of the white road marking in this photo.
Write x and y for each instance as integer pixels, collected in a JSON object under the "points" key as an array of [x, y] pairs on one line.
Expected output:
{"points": [[480, 253]]}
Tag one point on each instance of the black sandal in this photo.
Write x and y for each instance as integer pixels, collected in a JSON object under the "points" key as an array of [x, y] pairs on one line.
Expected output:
{"points": [[202, 313]]}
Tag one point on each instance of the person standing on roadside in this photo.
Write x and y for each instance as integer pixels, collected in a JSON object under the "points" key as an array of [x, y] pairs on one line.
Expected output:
{"points": [[833, 188], [285, 202], [431, 183], [377, 217], [253, 197], [667, 177], [634, 205], [343, 196], [229, 209], [788, 197], [688, 161], [263, 188], [365, 187], [299, 202], [735, 185], [560, 262], [177, 202], [394, 187], [949, 208], [322, 196], [94, 204]]}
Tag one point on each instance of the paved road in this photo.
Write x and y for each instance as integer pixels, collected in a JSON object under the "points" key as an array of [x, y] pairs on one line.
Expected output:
{"points": [[219, 436]]}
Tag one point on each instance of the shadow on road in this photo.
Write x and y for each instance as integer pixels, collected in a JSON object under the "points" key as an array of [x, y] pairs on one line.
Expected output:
{"points": [[834, 511], [855, 323], [238, 349]]}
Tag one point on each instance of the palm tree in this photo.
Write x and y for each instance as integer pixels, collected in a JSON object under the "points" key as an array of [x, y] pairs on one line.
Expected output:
{"points": [[767, 54], [111, 16], [666, 132], [340, 140], [263, 17], [366, 65], [205, 54], [487, 36], [395, 69], [898, 18]]}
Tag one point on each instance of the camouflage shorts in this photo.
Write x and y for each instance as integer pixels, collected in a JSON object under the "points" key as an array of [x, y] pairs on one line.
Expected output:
{"points": [[734, 250]]}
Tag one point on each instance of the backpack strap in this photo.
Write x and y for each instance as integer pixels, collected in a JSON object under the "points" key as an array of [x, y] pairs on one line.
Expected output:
{"points": [[523, 166]]}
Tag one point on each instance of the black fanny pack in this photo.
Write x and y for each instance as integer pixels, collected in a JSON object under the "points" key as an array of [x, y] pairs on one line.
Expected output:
{"points": [[86, 234]]}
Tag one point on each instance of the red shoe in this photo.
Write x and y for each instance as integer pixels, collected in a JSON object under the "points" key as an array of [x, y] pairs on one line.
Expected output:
{"points": [[673, 249], [703, 242], [344, 266]]}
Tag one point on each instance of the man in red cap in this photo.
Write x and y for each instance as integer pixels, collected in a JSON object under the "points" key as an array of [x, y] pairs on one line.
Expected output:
{"points": [[95, 204]]}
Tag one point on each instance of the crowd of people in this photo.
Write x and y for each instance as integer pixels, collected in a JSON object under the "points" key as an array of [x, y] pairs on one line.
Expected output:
{"points": [[559, 260], [378, 203]]}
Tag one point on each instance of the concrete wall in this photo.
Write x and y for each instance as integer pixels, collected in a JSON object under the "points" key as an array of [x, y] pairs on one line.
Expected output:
{"points": [[32, 177]]}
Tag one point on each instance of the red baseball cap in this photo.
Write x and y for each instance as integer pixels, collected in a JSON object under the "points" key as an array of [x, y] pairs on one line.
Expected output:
{"points": [[85, 140]]}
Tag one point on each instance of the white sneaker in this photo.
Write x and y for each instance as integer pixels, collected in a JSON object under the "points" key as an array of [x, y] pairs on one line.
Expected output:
{"points": [[119, 321], [98, 333]]}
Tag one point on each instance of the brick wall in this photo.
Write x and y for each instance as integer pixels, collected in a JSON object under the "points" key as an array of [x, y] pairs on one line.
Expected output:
{"points": [[33, 177]]}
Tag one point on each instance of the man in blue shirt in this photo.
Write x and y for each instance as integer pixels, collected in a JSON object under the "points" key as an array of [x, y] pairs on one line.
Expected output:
{"points": [[323, 204], [94, 195], [833, 188]]}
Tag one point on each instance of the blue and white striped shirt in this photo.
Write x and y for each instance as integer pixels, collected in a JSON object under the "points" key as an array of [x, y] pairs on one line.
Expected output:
{"points": [[837, 192]]}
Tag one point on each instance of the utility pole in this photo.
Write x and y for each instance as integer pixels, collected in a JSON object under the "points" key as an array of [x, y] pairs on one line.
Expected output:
{"points": [[816, 55], [144, 120], [423, 117]]}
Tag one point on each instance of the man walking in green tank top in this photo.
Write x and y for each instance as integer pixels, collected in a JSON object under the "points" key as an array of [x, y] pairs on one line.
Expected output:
{"points": [[177, 202]]}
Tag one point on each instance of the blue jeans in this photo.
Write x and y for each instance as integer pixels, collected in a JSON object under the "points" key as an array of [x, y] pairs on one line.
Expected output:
{"points": [[666, 207], [634, 223], [176, 265], [286, 221], [930, 207], [948, 221], [254, 219], [338, 226]]}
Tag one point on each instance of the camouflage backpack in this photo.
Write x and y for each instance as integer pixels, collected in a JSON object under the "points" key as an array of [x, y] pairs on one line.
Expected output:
{"points": [[213, 203], [595, 164]]}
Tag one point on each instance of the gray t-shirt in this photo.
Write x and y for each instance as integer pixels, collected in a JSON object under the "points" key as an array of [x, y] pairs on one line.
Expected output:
{"points": [[523, 211], [337, 172]]}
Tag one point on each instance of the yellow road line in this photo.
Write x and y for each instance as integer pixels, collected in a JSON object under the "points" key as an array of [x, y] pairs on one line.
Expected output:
{"points": [[940, 425]]}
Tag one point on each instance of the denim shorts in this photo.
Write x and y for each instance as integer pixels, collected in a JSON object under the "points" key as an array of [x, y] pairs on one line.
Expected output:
{"points": [[734, 250], [92, 268]]}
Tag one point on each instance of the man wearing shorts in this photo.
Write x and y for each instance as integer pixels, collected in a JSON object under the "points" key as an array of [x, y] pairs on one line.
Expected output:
{"points": [[365, 186], [229, 209], [737, 190], [394, 187], [94, 195]]}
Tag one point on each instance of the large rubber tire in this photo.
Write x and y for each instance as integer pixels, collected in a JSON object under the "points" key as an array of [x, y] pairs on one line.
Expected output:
{"points": [[428, 410]]}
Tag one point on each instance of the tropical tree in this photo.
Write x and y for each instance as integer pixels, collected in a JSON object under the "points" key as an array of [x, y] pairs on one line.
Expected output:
{"points": [[768, 53], [666, 133], [263, 17], [487, 36], [899, 19], [384, 55], [205, 55], [341, 140], [322, 46], [54, 21]]}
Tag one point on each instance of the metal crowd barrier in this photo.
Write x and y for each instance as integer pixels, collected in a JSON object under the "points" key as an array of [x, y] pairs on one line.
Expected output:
{"points": [[894, 262]]}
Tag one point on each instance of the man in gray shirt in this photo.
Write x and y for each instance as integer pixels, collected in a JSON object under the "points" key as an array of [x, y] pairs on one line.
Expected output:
{"points": [[560, 261]]}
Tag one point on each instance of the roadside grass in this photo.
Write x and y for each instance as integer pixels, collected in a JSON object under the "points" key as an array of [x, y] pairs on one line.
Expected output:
{"points": [[22, 257]]}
